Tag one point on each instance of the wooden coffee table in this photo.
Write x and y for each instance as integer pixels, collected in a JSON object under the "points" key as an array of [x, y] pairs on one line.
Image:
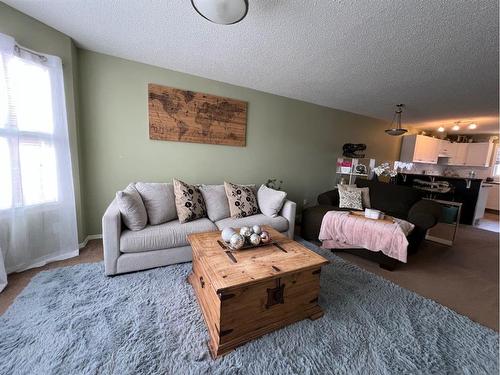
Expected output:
{"points": [[245, 294]]}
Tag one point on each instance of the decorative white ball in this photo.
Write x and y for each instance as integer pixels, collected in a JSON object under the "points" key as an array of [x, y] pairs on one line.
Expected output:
{"points": [[256, 229], [265, 237], [255, 239], [237, 241], [245, 231], [227, 233]]}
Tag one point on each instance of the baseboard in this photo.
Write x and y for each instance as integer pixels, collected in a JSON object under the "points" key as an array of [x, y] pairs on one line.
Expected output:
{"points": [[492, 211], [88, 238]]}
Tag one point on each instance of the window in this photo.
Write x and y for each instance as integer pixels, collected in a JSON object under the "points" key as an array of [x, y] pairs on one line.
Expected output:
{"points": [[28, 162], [37, 200]]}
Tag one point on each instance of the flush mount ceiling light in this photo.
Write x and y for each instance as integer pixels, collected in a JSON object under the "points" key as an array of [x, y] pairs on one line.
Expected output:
{"points": [[472, 126], [396, 120], [456, 126], [223, 12], [440, 129]]}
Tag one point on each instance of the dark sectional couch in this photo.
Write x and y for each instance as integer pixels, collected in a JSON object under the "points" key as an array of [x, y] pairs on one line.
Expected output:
{"points": [[399, 201]]}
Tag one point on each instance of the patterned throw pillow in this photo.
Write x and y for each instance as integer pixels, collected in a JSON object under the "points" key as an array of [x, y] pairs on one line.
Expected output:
{"points": [[365, 193], [189, 202], [242, 201], [350, 199]]}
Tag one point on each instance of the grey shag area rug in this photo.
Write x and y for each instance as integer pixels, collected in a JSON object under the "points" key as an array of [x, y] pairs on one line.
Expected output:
{"points": [[75, 320]]}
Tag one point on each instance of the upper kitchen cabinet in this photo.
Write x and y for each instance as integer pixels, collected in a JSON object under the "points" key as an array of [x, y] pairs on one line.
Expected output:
{"points": [[458, 155], [479, 154], [446, 149], [424, 149], [420, 149]]}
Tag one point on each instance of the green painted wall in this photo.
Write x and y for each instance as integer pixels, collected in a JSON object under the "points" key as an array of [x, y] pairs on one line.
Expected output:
{"points": [[35, 35], [108, 127], [288, 139]]}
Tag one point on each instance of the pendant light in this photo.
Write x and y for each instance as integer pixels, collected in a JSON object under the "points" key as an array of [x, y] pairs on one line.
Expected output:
{"points": [[397, 130], [223, 12]]}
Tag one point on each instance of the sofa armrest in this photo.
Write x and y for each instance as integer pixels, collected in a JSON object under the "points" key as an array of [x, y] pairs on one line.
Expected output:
{"points": [[329, 198], [288, 212], [111, 232], [424, 214]]}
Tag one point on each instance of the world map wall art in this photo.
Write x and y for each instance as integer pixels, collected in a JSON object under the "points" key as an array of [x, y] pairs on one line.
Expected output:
{"points": [[187, 116]]}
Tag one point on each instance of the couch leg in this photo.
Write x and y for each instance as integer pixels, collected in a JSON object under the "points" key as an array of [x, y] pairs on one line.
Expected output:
{"points": [[388, 264]]}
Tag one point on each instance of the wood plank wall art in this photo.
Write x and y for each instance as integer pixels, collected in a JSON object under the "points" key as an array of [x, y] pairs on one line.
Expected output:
{"points": [[186, 116]]}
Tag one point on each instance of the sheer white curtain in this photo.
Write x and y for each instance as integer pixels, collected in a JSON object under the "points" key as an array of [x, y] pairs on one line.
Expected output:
{"points": [[37, 204]]}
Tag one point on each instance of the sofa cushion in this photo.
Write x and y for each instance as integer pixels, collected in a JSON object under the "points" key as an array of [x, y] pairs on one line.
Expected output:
{"points": [[215, 201], [242, 200], [279, 222], [132, 208], [394, 200], [163, 236], [189, 202], [270, 200], [159, 200]]}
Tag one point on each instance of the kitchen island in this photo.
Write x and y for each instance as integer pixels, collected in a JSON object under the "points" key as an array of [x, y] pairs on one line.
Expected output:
{"points": [[468, 191]]}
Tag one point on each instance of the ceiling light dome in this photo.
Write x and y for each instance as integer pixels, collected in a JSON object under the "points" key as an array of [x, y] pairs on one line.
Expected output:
{"points": [[224, 12], [397, 130]]}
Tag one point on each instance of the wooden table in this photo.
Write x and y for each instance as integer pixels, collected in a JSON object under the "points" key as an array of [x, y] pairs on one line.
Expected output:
{"points": [[245, 294]]}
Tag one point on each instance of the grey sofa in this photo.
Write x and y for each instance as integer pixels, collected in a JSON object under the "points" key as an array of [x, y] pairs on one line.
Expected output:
{"points": [[164, 244]]}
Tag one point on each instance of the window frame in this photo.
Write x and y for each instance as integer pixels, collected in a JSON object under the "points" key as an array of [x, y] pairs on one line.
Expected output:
{"points": [[15, 137]]}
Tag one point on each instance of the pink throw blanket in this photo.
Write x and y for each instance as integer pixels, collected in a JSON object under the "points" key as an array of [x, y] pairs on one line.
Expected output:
{"points": [[340, 230]]}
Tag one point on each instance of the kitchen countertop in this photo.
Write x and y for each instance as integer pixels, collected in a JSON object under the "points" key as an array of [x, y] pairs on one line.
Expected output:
{"points": [[441, 176]]}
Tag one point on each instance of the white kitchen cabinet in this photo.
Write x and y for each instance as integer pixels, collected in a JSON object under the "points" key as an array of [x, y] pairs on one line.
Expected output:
{"points": [[423, 149], [420, 149], [459, 154], [481, 203], [446, 148], [493, 197], [479, 154]]}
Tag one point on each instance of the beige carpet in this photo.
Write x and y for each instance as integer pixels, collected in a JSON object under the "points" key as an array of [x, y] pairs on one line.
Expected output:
{"points": [[463, 277]]}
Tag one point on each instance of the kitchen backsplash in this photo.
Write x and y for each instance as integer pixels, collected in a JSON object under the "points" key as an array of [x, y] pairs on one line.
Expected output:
{"points": [[439, 170]]}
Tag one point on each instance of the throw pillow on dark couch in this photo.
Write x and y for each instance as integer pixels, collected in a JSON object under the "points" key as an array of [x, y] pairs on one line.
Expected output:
{"points": [[400, 201]]}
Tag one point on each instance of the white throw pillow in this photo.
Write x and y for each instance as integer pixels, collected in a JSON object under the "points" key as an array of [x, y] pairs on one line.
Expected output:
{"points": [[365, 193], [132, 208], [159, 200], [215, 201], [270, 201], [350, 199]]}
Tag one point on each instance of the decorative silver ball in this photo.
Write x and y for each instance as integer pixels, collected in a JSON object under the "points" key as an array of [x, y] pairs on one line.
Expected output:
{"points": [[237, 241], [256, 229], [227, 233], [265, 237], [255, 239], [245, 231]]}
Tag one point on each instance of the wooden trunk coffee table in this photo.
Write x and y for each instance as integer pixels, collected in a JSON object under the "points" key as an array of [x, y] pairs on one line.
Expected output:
{"points": [[245, 294]]}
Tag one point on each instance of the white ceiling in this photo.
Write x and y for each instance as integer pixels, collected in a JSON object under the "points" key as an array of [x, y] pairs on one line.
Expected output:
{"points": [[439, 57]]}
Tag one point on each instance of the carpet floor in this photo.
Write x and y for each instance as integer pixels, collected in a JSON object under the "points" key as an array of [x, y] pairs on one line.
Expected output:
{"points": [[75, 320], [463, 277]]}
